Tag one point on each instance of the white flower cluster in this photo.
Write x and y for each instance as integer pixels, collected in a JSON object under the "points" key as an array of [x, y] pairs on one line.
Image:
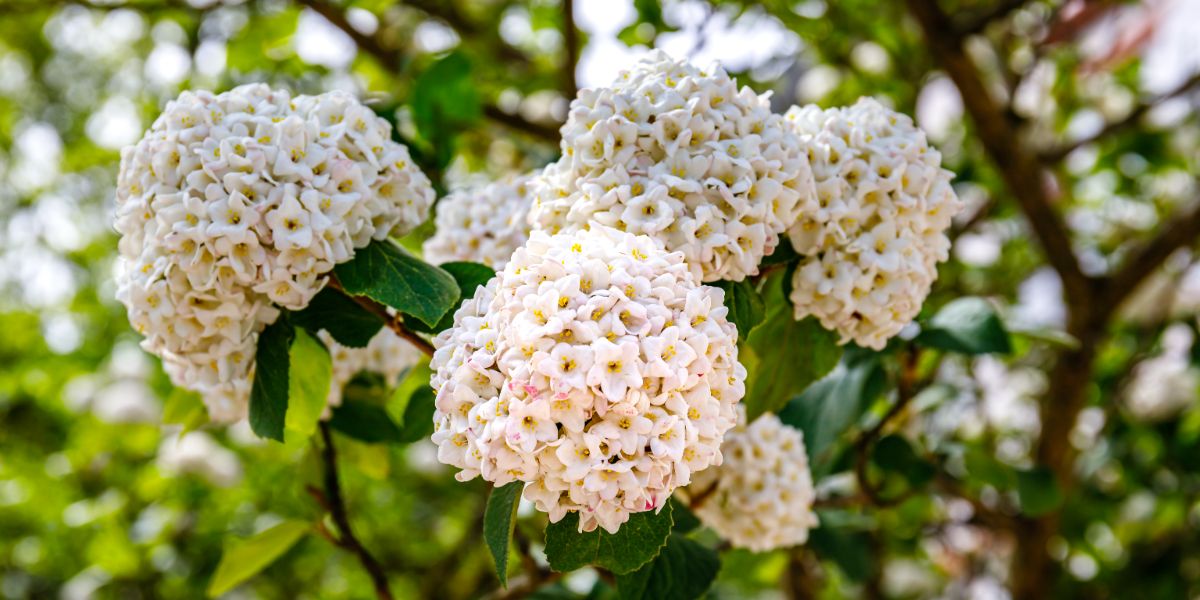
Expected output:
{"points": [[387, 354], [875, 230], [234, 204], [595, 368], [683, 156], [761, 497], [484, 224]]}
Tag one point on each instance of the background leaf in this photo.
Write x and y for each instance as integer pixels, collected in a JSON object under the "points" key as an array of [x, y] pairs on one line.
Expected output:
{"points": [[746, 308], [634, 544], [269, 394], [245, 558], [349, 323], [829, 407], [791, 356], [418, 416], [966, 325], [365, 422], [309, 374], [683, 570], [498, 521], [1038, 491], [385, 273]]}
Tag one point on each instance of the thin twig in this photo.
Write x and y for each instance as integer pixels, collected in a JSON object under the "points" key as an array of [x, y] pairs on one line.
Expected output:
{"points": [[1054, 155], [570, 49], [1182, 230], [337, 509], [393, 322]]}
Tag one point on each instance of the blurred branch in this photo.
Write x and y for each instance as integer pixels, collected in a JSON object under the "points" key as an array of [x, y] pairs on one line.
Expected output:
{"points": [[337, 509], [1054, 155], [447, 11], [570, 49], [1182, 230], [392, 61], [1019, 167], [973, 23]]}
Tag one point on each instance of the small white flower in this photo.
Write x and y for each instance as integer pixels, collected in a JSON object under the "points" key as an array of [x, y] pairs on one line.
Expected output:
{"points": [[483, 225]]}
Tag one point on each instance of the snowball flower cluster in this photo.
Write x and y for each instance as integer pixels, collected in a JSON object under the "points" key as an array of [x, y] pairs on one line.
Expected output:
{"points": [[484, 224], [596, 369], [387, 354], [233, 205], [683, 156], [761, 497], [875, 230]]}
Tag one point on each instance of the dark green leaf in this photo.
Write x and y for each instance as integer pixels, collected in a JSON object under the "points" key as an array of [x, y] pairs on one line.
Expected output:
{"points": [[683, 570], [418, 416], [309, 374], [269, 394], [967, 325], [498, 521], [444, 102], [1038, 491], [349, 323], [850, 550], [791, 356], [244, 559], [685, 521], [832, 405], [895, 453], [784, 253], [365, 422], [385, 273], [468, 276], [746, 308], [635, 543], [981, 466]]}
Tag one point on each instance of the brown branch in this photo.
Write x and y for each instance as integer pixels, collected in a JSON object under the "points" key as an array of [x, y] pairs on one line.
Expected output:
{"points": [[1054, 155], [391, 60], [1018, 167], [393, 322], [570, 49], [971, 24], [337, 509], [1183, 230]]}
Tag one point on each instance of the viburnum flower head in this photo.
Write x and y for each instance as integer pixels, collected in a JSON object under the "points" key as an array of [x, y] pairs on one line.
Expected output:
{"points": [[761, 496], [874, 232], [684, 156], [236, 204], [596, 369], [387, 355], [483, 224]]}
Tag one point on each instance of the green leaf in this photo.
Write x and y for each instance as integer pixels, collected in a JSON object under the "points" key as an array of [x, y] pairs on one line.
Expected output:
{"points": [[365, 422], [633, 545], [746, 308], [683, 570], [385, 273], [968, 326], [499, 518], [895, 453], [245, 558], [468, 276], [832, 405], [349, 323], [418, 416], [308, 383], [269, 394], [784, 253], [850, 550], [792, 355], [444, 102], [982, 467], [1038, 491], [684, 520]]}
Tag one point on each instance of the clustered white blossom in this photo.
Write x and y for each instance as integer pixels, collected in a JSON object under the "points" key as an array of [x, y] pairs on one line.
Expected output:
{"points": [[482, 224], [761, 497], [683, 156], [596, 369], [387, 354], [233, 205], [875, 230]]}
